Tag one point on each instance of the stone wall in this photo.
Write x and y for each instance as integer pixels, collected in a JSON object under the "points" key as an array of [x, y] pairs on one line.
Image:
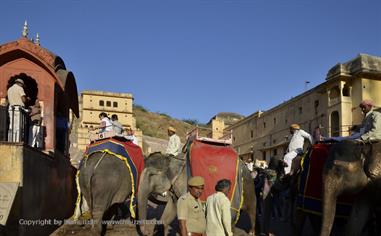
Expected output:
{"points": [[46, 192]]}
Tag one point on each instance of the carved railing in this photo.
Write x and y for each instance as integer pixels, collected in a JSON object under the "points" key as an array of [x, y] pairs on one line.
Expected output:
{"points": [[14, 124]]}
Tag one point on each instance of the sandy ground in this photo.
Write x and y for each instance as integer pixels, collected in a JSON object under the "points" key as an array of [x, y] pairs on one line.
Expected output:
{"points": [[278, 227]]}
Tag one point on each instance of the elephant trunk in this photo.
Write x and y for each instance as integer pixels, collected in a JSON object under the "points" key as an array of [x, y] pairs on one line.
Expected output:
{"points": [[144, 191], [330, 193]]}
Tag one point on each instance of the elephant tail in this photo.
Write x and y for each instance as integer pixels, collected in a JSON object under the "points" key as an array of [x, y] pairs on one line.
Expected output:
{"points": [[91, 175]]}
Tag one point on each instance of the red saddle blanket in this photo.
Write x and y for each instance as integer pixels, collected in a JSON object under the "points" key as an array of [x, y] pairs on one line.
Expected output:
{"points": [[311, 182], [133, 153], [213, 163]]}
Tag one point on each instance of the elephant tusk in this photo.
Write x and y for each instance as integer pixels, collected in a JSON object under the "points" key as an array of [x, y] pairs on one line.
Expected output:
{"points": [[164, 194]]}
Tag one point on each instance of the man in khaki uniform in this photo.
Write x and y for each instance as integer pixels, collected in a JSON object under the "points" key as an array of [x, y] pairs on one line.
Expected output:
{"points": [[190, 211]]}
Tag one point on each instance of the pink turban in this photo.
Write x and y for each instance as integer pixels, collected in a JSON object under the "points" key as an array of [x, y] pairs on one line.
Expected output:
{"points": [[367, 102]]}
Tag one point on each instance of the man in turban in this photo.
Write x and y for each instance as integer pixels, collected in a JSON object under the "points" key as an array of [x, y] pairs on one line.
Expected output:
{"points": [[370, 128], [296, 145], [371, 124]]}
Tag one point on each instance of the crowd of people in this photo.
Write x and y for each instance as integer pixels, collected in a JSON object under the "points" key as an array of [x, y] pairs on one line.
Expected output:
{"points": [[264, 178]]}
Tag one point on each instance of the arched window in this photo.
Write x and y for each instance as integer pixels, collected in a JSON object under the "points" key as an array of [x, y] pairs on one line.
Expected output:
{"points": [[101, 103], [334, 93], [346, 90], [335, 124]]}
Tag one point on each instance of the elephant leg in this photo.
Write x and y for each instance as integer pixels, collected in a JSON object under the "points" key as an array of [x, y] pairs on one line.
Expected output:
{"points": [[100, 204], [97, 216], [169, 214], [358, 218]]}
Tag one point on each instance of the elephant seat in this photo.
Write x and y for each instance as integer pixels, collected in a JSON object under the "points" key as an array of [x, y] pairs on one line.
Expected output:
{"points": [[309, 186]]}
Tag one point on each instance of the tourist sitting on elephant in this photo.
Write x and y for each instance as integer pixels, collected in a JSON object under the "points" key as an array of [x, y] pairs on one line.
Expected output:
{"points": [[174, 143], [190, 211], [105, 124], [296, 145], [371, 124], [370, 128]]}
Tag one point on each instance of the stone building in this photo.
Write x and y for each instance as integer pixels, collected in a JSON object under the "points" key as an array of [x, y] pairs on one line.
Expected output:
{"points": [[218, 123], [92, 103], [332, 106], [36, 183]]}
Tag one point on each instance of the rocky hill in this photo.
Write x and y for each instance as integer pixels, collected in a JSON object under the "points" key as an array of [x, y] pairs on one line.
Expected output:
{"points": [[155, 124]]}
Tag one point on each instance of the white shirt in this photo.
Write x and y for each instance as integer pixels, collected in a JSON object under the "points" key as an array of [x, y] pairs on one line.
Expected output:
{"points": [[108, 124], [15, 94], [297, 140], [133, 139], [250, 166], [218, 215], [174, 145]]}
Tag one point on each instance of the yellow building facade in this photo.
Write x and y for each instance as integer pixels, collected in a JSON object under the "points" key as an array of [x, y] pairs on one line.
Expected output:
{"points": [[332, 106], [92, 103]]}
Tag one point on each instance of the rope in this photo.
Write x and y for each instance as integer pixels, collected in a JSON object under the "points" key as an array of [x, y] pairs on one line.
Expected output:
{"points": [[171, 189], [99, 161]]}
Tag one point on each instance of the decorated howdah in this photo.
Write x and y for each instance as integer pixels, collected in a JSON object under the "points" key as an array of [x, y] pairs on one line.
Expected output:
{"points": [[310, 183], [130, 154]]}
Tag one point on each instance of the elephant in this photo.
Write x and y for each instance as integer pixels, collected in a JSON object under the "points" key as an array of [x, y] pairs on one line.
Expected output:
{"points": [[104, 181], [346, 172], [168, 174]]}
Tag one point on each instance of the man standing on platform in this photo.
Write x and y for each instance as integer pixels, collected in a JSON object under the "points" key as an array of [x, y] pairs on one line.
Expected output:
{"points": [[35, 139], [17, 100]]}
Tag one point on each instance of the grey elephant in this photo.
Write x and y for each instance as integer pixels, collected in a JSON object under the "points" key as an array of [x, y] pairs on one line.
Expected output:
{"points": [[346, 172], [104, 180], [167, 174]]}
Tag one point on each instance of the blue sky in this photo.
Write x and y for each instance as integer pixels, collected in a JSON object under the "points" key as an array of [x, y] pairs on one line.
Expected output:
{"points": [[194, 58]]}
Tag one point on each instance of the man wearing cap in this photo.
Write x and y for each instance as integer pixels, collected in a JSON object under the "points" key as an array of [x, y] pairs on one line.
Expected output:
{"points": [[190, 211], [174, 144], [296, 145], [17, 100]]}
